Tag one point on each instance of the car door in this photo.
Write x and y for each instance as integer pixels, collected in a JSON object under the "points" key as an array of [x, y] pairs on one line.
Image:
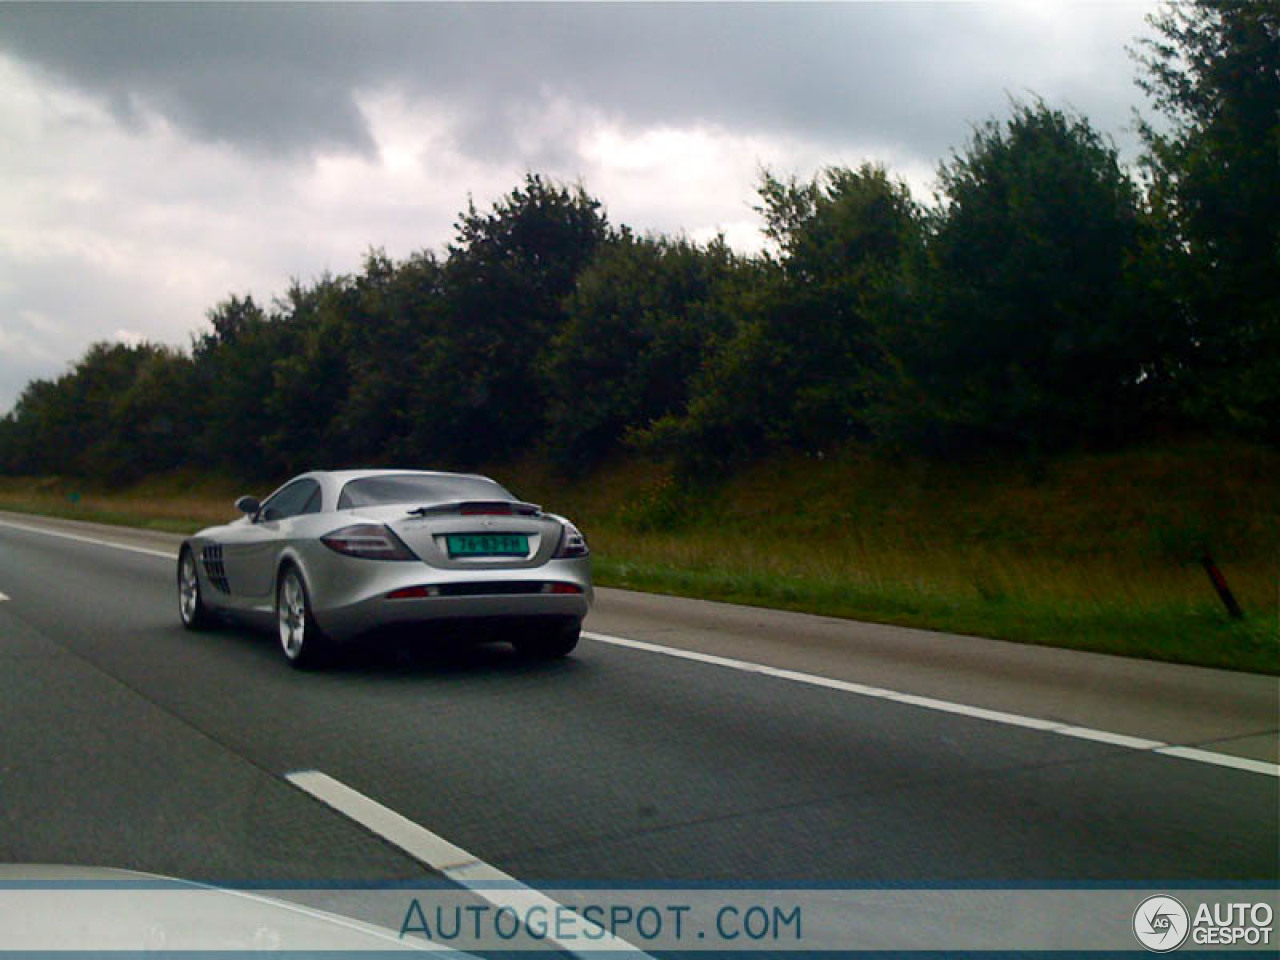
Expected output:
{"points": [[252, 553]]}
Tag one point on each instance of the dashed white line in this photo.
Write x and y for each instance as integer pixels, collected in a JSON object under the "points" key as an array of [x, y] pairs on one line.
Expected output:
{"points": [[947, 706], [464, 869], [3, 597], [928, 703]]}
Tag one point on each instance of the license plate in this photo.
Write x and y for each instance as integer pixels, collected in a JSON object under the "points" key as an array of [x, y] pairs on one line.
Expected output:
{"points": [[488, 544]]}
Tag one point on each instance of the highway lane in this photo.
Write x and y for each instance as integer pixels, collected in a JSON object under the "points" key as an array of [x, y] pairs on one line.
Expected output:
{"points": [[96, 772], [128, 742]]}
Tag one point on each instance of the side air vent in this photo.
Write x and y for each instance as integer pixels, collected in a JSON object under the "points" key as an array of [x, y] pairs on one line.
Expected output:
{"points": [[214, 569]]}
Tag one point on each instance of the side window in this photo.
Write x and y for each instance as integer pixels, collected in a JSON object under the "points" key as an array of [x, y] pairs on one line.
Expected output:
{"points": [[313, 502], [295, 499]]}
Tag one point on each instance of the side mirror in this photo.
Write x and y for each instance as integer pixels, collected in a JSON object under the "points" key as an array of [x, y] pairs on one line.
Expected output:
{"points": [[248, 505]]}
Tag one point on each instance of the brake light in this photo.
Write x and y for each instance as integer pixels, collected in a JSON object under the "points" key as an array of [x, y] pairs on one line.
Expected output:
{"points": [[486, 510], [368, 541], [561, 588], [413, 593], [572, 543]]}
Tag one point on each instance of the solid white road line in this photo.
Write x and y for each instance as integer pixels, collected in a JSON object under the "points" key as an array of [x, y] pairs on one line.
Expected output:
{"points": [[928, 703], [469, 872], [1221, 760], [947, 706], [96, 542]]}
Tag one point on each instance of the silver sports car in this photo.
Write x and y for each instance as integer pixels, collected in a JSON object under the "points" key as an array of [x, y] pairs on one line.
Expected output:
{"points": [[332, 556]]}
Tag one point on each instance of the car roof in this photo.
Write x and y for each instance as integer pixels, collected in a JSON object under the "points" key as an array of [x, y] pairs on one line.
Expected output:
{"points": [[344, 476]]}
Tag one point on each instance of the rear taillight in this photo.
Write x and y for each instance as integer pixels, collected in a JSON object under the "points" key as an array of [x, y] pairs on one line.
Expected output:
{"points": [[561, 588], [413, 593], [369, 541], [572, 543]]}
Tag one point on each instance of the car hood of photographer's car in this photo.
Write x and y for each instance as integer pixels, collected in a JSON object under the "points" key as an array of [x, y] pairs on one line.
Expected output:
{"points": [[59, 907]]}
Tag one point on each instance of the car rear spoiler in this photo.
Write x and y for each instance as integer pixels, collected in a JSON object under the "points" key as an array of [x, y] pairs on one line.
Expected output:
{"points": [[471, 508]]}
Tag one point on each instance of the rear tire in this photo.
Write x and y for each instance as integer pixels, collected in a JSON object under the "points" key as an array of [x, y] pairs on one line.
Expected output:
{"points": [[195, 615], [549, 643], [302, 642]]}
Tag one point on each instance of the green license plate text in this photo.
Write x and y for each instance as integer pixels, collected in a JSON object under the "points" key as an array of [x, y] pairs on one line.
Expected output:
{"points": [[488, 544]]}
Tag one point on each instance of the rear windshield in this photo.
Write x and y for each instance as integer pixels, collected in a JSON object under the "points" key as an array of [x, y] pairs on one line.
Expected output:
{"points": [[409, 488]]}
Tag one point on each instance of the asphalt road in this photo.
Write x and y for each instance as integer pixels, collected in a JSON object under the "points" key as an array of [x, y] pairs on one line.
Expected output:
{"points": [[127, 742]]}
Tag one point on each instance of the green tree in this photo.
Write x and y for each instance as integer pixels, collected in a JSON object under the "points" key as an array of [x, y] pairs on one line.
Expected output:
{"points": [[1213, 69], [794, 373], [70, 425], [1030, 333], [33, 430], [310, 377], [638, 327], [234, 376], [10, 445], [478, 394], [152, 421], [394, 309], [231, 319]]}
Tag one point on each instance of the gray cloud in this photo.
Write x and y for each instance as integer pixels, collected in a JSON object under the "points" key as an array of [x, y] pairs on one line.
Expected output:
{"points": [[235, 145], [282, 79], [252, 77]]}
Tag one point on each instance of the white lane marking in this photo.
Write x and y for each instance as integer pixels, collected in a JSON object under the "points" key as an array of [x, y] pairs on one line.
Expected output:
{"points": [[93, 540], [1115, 739], [1221, 759], [3, 597], [947, 706], [435, 851], [928, 703]]}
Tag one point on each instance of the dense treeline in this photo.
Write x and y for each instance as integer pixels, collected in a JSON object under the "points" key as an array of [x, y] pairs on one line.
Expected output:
{"points": [[1049, 299]]}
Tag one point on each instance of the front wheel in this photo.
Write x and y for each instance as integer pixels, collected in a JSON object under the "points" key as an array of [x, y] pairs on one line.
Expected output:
{"points": [[548, 643], [191, 608], [301, 639]]}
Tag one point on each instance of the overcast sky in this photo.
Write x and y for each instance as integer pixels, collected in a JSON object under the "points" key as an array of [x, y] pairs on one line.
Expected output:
{"points": [[155, 158]]}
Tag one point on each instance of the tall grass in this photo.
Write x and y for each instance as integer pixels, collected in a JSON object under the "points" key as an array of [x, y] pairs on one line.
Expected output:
{"points": [[179, 502], [1097, 552]]}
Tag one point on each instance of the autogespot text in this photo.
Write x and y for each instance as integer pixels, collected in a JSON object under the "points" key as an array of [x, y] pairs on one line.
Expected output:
{"points": [[669, 923]]}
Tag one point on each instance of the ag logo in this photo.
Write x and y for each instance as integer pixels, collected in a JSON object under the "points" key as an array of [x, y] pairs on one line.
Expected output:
{"points": [[1161, 923]]}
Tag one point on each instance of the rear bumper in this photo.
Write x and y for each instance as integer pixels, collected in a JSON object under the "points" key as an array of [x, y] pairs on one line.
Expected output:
{"points": [[351, 598], [348, 623]]}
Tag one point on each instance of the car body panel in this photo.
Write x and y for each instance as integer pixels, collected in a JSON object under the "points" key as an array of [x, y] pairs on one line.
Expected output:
{"points": [[249, 555], [239, 564]]}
